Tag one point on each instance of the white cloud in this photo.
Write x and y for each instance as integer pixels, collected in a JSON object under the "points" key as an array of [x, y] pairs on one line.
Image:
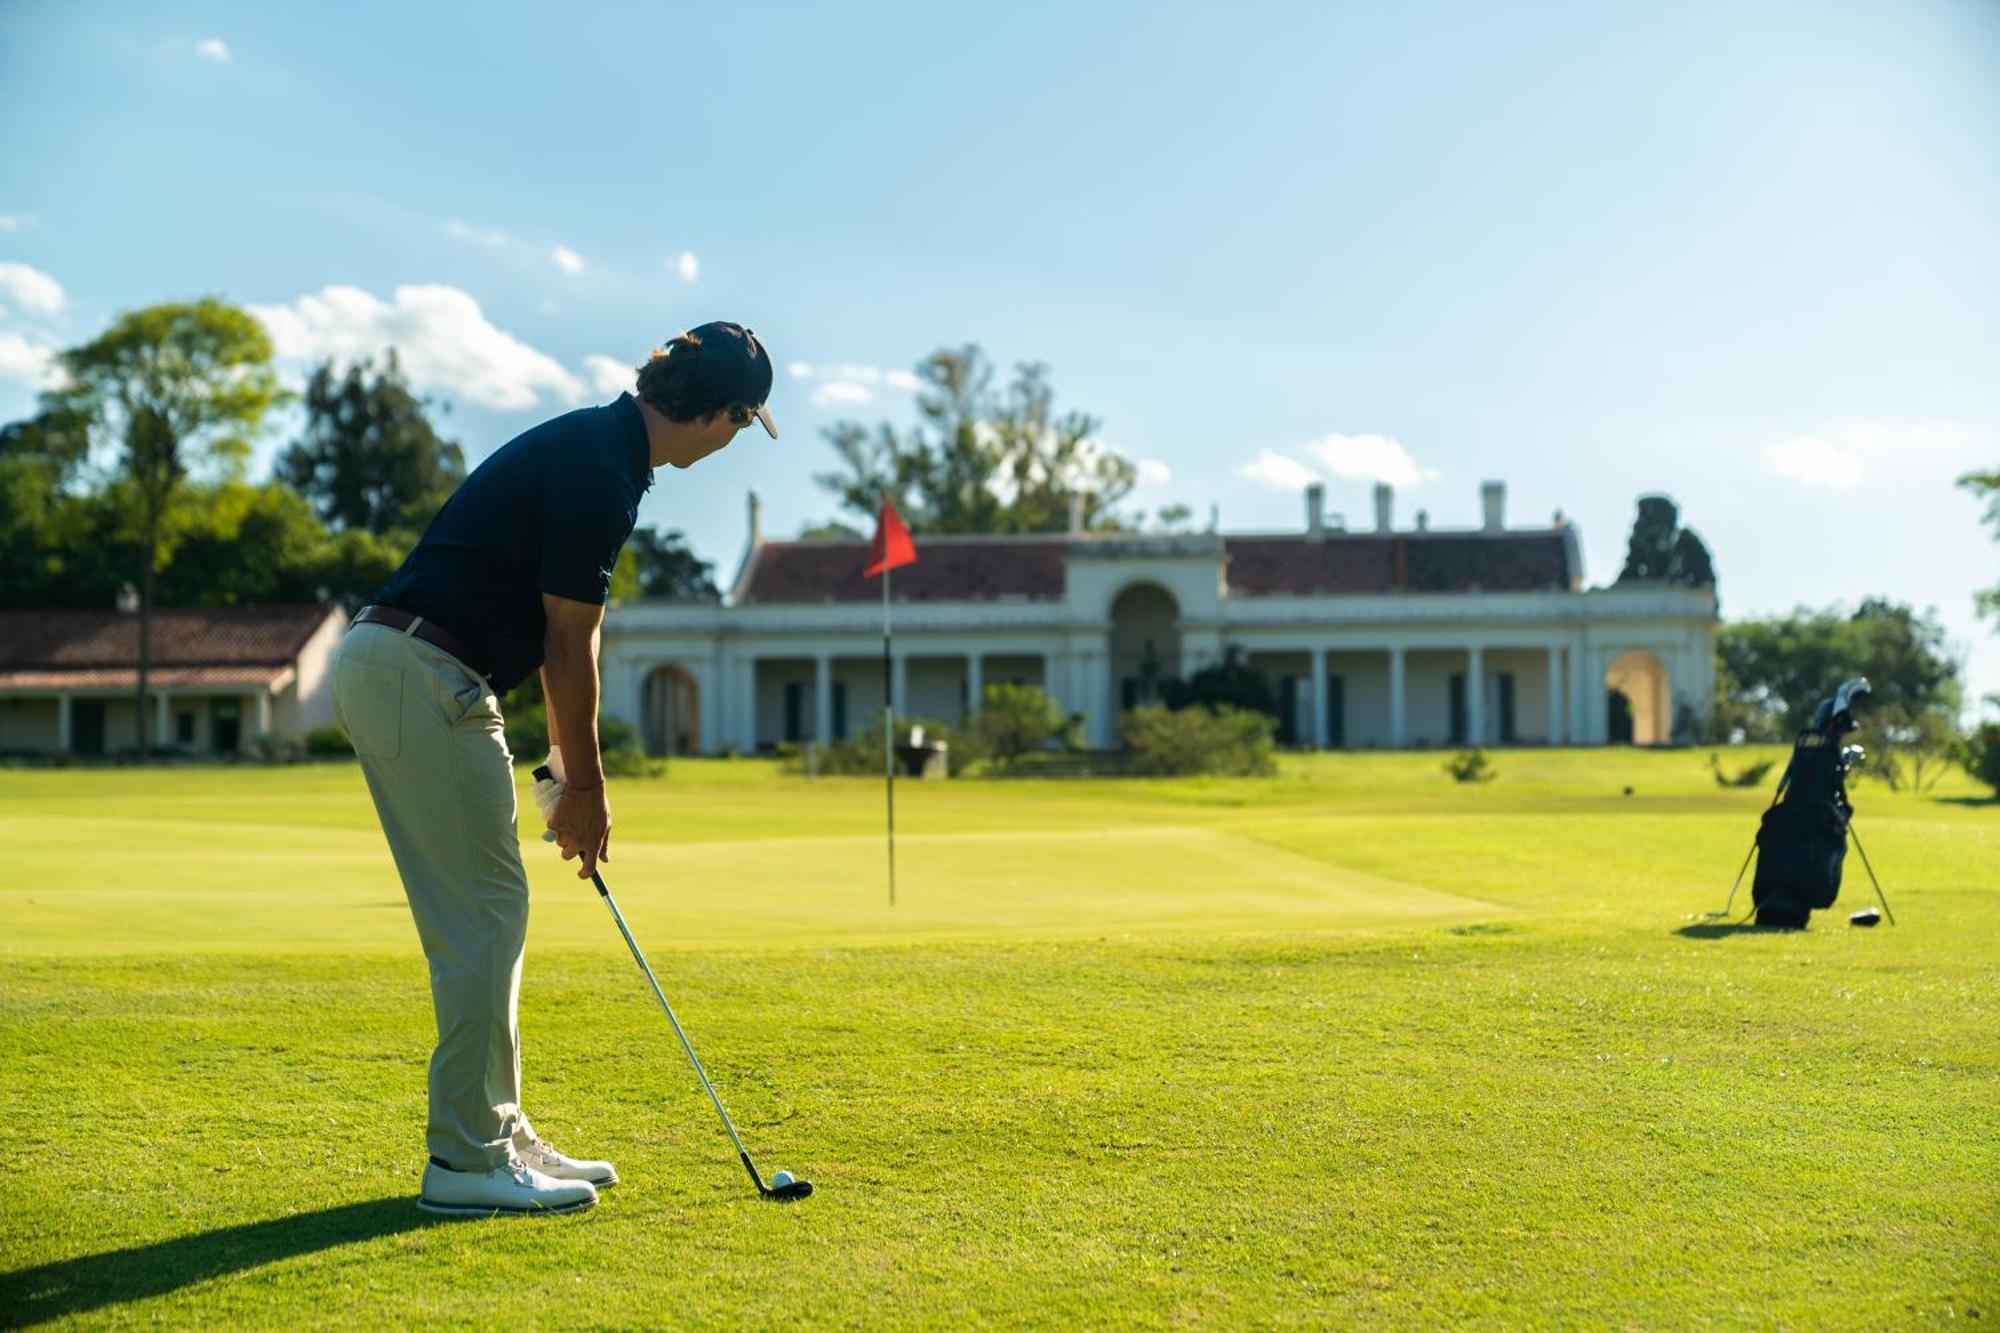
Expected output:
{"points": [[29, 363], [213, 48], [842, 391], [1369, 458], [608, 374], [491, 237], [850, 385], [688, 267], [1152, 472], [1278, 471], [568, 260], [14, 221], [1814, 462], [30, 288], [442, 337]]}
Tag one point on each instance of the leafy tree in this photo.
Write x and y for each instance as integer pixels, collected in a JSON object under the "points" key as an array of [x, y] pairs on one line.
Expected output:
{"points": [[1230, 683], [1986, 485], [1014, 719], [39, 458], [1661, 549], [656, 564], [981, 459], [1772, 674], [369, 458], [173, 386], [830, 531]]}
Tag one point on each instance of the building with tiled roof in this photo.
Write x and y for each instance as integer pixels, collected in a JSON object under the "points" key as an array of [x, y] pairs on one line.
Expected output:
{"points": [[218, 677], [1388, 637]]}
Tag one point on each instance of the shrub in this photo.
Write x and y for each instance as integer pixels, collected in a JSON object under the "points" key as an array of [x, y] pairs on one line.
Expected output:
{"points": [[1472, 766], [273, 749], [861, 754], [328, 740], [1749, 776], [1013, 720], [1980, 753], [1226, 741]]}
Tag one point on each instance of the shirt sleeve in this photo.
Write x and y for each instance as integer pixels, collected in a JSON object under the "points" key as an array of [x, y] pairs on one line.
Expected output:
{"points": [[589, 514]]}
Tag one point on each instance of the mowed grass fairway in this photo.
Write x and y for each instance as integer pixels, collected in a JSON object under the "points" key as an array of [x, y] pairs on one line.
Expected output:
{"points": [[1352, 1045]]}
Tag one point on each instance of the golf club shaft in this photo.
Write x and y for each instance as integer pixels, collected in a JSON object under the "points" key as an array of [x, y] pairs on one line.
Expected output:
{"points": [[686, 1045]]}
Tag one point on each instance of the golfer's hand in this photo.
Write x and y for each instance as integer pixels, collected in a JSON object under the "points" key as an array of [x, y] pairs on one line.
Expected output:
{"points": [[582, 825]]}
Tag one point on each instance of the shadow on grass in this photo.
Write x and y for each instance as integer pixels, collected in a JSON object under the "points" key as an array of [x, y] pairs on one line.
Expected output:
{"points": [[77, 1286], [1720, 930]]}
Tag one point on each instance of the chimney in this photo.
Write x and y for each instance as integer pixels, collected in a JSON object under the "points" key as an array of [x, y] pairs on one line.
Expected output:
{"points": [[1385, 506], [1493, 499], [1315, 511], [1076, 513], [756, 522]]}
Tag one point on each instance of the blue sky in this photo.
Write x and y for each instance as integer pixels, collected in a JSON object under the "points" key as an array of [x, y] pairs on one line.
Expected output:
{"points": [[1740, 253]]}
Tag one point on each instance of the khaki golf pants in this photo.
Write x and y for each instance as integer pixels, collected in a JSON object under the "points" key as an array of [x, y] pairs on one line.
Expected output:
{"points": [[427, 730]]}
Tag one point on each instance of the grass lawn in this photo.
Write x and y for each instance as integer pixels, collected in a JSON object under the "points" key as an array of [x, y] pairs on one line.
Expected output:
{"points": [[1352, 1045]]}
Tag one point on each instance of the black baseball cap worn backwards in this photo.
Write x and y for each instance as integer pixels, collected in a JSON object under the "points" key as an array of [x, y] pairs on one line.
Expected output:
{"points": [[737, 367]]}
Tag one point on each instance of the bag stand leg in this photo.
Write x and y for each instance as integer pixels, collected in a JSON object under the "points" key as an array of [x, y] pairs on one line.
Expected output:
{"points": [[1871, 873]]}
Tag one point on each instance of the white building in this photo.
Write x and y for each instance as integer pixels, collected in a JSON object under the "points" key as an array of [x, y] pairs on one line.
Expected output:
{"points": [[1371, 637], [219, 677]]}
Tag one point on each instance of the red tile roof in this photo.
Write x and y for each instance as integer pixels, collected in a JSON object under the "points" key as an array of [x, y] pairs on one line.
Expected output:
{"points": [[948, 569], [182, 637], [985, 569], [1404, 561]]}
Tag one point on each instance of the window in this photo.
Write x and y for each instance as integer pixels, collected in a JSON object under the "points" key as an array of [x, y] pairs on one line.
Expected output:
{"points": [[1336, 711], [1458, 727], [184, 728], [1505, 681], [840, 710], [795, 710]]}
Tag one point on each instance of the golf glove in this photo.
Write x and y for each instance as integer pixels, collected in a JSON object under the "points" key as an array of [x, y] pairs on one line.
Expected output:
{"points": [[547, 791]]}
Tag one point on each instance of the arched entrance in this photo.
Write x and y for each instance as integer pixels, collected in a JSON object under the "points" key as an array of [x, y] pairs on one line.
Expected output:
{"points": [[671, 714], [1640, 704], [1145, 643]]}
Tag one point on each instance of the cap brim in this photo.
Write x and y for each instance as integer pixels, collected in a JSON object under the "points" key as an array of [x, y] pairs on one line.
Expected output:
{"points": [[770, 426]]}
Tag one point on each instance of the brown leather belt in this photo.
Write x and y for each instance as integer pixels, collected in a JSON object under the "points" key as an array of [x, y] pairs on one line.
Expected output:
{"points": [[428, 630]]}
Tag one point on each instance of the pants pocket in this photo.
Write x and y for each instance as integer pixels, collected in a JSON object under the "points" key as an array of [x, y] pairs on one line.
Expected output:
{"points": [[368, 697]]}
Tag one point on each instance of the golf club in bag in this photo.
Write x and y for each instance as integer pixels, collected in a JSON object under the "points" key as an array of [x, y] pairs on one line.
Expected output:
{"points": [[782, 1185], [1801, 843]]}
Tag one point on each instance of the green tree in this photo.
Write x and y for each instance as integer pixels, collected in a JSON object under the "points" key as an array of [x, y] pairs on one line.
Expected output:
{"points": [[39, 460], [1661, 549], [369, 457], [1230, 683], [1986, 485], [657, 564], [981, 459], [1772, 674], [172, 386]]}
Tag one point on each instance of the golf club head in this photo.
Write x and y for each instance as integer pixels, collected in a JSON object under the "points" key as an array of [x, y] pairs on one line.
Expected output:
{"points": [[797, 1189], [1867, 916]]}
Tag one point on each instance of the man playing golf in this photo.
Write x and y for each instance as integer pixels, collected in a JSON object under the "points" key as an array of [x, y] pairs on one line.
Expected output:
{"points": [[511, 577]]}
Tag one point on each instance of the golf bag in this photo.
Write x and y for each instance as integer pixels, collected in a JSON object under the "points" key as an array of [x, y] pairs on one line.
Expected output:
{"points": [[1802, 842]]}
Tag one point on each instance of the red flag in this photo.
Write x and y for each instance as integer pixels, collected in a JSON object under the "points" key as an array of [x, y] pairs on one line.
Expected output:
{"points": [[892, 546]]}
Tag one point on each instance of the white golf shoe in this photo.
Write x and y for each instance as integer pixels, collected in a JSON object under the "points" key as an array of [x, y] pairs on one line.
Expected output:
{"points": [[515, 1188], [544, 1158]]}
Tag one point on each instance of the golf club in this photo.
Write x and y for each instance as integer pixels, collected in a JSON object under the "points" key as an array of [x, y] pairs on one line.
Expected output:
{"points": [[782, 1187]]}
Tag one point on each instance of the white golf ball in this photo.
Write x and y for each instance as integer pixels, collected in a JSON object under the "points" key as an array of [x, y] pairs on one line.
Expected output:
{"points": [[780, 1180]]}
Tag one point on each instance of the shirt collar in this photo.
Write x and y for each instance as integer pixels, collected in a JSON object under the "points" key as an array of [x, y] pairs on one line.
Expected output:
{"points": [[634, 422]]}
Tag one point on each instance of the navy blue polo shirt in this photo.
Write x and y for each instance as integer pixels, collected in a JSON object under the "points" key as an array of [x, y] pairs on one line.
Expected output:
{"points": [[548, 512]]}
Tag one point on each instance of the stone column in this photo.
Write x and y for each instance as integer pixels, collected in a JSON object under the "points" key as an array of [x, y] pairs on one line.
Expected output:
{"points": [[1103, 709], [263, 712], [1475, 696], [62, 724], [1320, 731], [160, 732], [822, 699], [1397, 736], [1555, 694], [975, 682], [746, 708], [899, 671]]}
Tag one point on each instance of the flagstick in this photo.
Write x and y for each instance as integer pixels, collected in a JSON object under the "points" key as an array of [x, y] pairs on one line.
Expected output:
{"points": [[889, 737]]}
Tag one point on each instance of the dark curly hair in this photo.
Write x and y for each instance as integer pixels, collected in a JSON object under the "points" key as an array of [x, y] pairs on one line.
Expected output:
{"points": [[671, 380]]}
